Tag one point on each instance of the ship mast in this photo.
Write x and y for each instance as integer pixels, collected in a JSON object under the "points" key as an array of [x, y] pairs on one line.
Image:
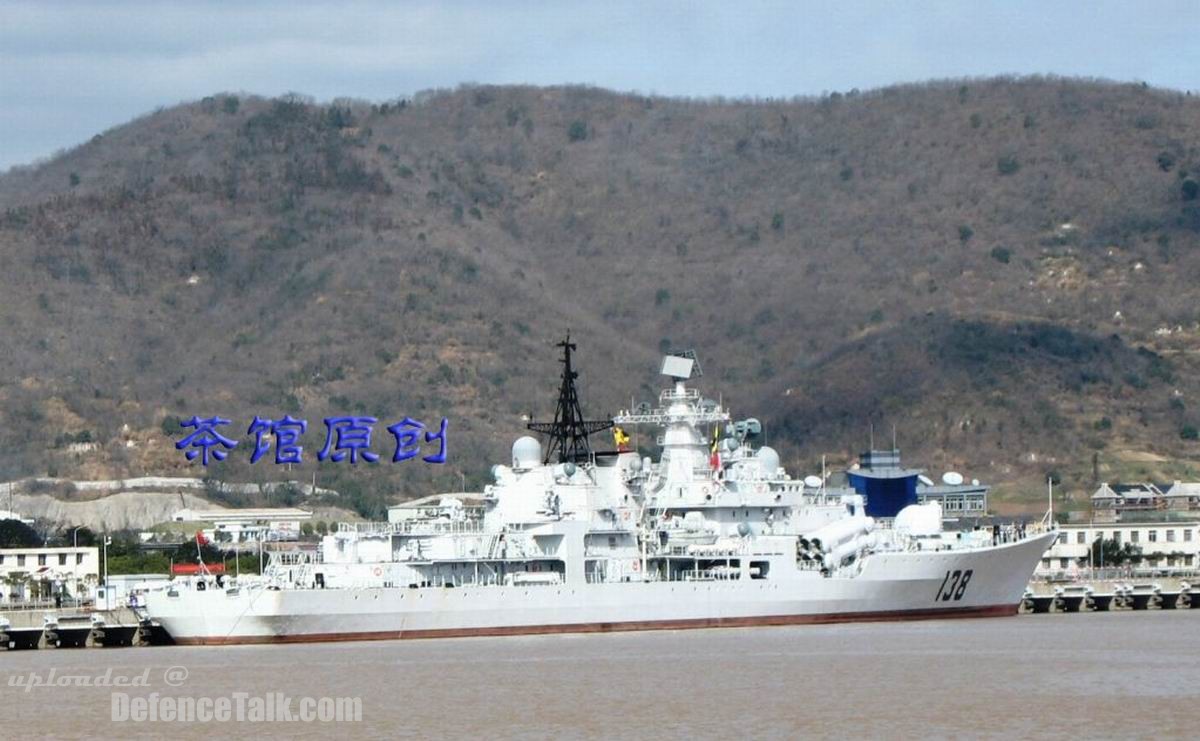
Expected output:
{"points": [[569, 431]]}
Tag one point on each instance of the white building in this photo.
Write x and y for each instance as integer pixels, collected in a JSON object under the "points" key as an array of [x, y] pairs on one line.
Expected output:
{"points": [[29, 573], [456, 506], [129, 589], [232, 526], [1166, 546], [9, 515]]}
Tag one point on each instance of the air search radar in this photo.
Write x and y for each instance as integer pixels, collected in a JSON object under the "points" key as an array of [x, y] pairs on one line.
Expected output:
{"points": [[681, 365]]}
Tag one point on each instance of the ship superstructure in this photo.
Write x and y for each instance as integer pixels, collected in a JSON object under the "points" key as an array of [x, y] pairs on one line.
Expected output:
{"points": [[714, 532]]}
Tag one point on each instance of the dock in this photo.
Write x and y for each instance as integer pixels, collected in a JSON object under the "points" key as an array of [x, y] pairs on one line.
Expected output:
{"points": [[23, 630], [1111, 596]]}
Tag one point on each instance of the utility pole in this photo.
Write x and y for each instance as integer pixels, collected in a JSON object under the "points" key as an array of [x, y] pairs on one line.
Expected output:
{"points": [[104, 581]]}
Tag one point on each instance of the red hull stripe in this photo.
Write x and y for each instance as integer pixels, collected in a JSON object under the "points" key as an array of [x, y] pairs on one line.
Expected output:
{"points": [[510, 630]]}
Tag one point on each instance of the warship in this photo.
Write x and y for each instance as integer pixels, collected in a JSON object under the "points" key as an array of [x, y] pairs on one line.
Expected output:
{"points": [[714, 533]]}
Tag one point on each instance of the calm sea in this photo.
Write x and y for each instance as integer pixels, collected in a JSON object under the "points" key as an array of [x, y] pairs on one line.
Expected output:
{"points": [[1052, 676]]}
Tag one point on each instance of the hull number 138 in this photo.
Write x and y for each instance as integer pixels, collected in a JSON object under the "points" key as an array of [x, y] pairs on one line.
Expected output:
{"points": [[954, 586]]}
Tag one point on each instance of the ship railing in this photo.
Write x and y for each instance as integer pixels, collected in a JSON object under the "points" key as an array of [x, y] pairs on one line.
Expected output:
{"points": [[671, 394], [292, 558], [72, 603], [1085, 574], [439, 527], [418, 527]]}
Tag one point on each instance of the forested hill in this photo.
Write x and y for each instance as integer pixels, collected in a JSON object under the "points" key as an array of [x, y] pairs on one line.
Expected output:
{"points": [[1005, 270]]}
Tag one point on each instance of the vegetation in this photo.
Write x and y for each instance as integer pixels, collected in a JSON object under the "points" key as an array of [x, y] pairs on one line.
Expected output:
{"points": [[988, 288], [1109, 552], [16, 534]]}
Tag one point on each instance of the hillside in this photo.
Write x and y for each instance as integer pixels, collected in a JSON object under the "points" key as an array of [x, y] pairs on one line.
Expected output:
{"points": [[1002, 269]]}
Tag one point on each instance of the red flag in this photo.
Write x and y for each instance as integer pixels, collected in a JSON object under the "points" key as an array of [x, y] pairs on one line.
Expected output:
{"points": [[200, 539]]}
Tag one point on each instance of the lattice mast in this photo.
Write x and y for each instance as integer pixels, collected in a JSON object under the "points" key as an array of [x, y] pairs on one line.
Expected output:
{"points": [[569, 431]]}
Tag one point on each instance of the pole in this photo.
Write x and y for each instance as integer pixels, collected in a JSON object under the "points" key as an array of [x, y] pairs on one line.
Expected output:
{"points": [[106, 541]]}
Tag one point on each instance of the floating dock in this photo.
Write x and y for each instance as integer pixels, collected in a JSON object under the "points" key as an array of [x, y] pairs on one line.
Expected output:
{"points": [[38, 629], [1110, 596]]}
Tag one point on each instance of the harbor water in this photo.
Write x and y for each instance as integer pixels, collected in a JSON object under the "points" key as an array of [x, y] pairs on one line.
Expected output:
{"points": [[1050, 676]]}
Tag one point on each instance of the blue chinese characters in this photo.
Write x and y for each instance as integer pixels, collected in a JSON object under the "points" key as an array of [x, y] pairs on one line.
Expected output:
{"points": [[347, 438]]}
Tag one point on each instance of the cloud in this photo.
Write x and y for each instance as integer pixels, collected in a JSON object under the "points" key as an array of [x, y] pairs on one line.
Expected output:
{"points": [[70, 70]]}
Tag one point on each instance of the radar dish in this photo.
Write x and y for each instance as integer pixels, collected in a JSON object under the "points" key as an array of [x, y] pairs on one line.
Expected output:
{"points": [[925, 480], [812, 482], [677, 367], [952, 478]]}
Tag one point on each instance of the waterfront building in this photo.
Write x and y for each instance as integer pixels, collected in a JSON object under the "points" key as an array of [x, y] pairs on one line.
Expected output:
{"points": [[233, 526], [1166, 547], [41, 573], [1146, 502], [449, 507]]}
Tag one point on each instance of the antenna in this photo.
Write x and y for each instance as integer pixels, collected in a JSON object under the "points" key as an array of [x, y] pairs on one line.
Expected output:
{"points": [[694, 367], [871, 435], [569, 431]]}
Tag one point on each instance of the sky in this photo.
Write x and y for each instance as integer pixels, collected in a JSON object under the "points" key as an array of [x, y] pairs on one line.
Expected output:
{"points": [[69, 70]]}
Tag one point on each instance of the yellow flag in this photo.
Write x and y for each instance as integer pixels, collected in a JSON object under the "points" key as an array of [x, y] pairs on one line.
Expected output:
{"points": [[620, 438]]}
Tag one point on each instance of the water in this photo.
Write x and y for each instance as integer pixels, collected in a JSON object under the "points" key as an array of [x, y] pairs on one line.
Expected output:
{"points": [[1055, 676]]}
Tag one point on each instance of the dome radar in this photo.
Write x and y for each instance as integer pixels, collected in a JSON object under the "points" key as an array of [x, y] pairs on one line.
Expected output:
{"points": [[526, 453], [768, 461]]}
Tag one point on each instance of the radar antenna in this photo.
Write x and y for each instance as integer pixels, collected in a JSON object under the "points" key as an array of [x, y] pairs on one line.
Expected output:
{"points": [[569, 431]]}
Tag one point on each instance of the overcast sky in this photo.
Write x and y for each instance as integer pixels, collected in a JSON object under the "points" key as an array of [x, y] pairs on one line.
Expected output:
{"points": [[71, 70]]}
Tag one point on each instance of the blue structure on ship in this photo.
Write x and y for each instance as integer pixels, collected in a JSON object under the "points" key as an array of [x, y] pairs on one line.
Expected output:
{"points": [[886, 486]]}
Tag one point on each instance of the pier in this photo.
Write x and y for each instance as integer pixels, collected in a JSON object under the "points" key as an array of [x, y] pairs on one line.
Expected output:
{"points": [[1111, 596], [63, 629]]}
